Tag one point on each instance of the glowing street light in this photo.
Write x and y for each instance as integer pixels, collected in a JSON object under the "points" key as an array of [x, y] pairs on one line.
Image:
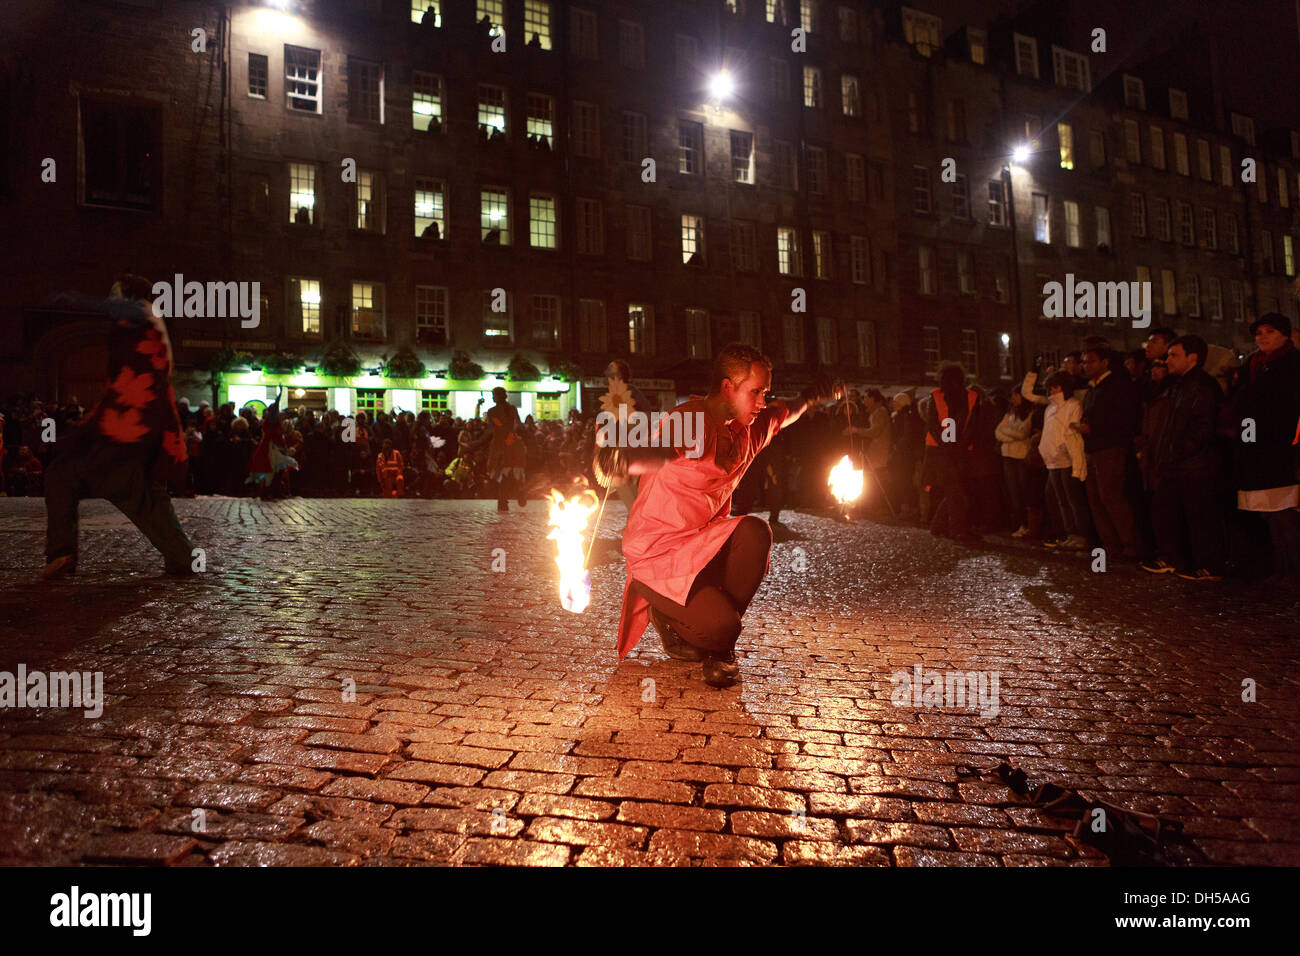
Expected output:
{"points": [[721, 86], [1020, 154]]}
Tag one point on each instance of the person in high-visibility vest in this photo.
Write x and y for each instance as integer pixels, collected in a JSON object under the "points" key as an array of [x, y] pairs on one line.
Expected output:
{"points": [[949, 435], [390, 471]]}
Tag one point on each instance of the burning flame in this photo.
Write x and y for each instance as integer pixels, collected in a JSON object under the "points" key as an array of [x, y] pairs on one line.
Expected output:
{"points": [[846, 481], [568, 530]]}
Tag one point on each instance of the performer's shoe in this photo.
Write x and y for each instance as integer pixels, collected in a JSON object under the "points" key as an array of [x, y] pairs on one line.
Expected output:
{"points": [[503, 506], [721, 672], [673, 645], [63, 566]]}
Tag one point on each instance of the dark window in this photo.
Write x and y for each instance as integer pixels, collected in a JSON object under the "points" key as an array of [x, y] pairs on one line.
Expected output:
{"points": [[121, 148], [257, 72]]}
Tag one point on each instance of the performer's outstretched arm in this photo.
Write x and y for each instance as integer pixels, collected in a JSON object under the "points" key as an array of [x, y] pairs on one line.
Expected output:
{"points": [[816, 393]]}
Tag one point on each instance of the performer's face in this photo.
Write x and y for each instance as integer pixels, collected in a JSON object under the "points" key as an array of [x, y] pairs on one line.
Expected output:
{"points": [[747, 398]]}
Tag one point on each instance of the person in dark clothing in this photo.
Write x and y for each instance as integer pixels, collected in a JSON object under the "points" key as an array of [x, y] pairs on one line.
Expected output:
{"points": [[952, 423], [130, 445], [1187, 470], [905, 451], [1264, 417], [1112, 413]]}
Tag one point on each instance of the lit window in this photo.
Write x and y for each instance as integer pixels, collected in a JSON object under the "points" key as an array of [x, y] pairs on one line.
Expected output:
{"points": [[257, 75], [494, 12], [1042, 225], [586, 129], [1214, 299], [546, 321], [1066, 136], [809, 17], [850, 98], [638, 233], [368, 310], [1073, 237], [1244, 127], [860, 259], [692, 240], [812, 87], [921, 31], [537, 23], [1004, 357], [697, 334], [435, 403], [742, 157], [1283, 194], [365, 91], [302, 194], [640, 328], [370, 401], [1288, 255], [369, 201], [494, 214], [925, 270], [1225, 166], [304, 300], [430, 208], [302, 86], [421, 7], [788, 262], [541, 222], [821, 254], [426, 101], [498, 317], [589, 223], [540, 125], [1168, 292], [1203, 161], [431, 315], [978, 42], [491, 109]]}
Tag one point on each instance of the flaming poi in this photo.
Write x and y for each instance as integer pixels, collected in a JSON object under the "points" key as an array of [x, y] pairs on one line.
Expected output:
{"points": [[568, 522], [845, 481]]}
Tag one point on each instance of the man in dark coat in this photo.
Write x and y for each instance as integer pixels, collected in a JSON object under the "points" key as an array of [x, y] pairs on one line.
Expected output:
{"points": [[129, 445], [1264, 417], [1112, 416], [1186, 470]]}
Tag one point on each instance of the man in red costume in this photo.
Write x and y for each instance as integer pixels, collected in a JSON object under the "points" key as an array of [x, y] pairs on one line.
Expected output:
{"points": [[691, 569]]}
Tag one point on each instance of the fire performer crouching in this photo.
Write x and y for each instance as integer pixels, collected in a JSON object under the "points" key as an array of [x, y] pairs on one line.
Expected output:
{"points": [[692, 569], [130, 444]]}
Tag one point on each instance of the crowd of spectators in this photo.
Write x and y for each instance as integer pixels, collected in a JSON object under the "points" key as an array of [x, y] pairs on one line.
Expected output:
{"points": [[1177, 457]]}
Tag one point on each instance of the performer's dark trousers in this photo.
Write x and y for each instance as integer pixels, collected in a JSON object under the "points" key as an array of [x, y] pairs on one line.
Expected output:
{"points": [[120, 474], [710, 619]]}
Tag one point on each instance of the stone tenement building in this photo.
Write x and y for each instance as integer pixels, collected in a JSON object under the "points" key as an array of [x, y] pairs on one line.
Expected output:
{"points": [[419, 179]]}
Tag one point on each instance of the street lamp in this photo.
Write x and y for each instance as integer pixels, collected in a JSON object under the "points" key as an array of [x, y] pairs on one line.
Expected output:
{"points": [[721, 85], [1020, 154]]}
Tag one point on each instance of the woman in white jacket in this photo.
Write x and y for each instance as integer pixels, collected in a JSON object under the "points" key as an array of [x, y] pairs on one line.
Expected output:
{"points": [[1062, 450], [1013, 432]]}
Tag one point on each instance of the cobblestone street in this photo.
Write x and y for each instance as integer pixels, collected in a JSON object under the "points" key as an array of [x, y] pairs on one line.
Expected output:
{"points": [[490, 726]]}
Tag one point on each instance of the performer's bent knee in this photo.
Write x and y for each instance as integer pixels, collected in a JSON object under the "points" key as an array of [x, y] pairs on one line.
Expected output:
{"points": [[754, 532]]}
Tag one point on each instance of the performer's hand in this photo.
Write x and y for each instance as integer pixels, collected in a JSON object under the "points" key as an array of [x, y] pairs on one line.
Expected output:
{"points": [[820, 390], [609, 465]]}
